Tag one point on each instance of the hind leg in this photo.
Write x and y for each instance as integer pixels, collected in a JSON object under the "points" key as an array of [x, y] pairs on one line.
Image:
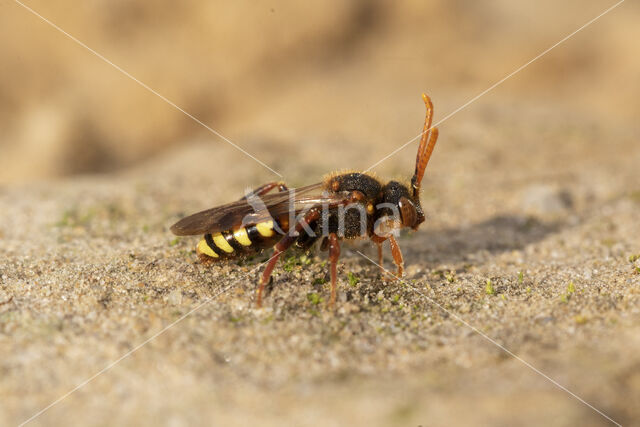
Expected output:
{"points": [[282, 246], [380, 255], [397, 255], [264, 189], [378, 240]]}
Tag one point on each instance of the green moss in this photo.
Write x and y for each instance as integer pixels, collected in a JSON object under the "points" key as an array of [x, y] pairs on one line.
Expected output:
{"points": [[293, 261], [396, 298], [634, 257], [450, 277], [174, 242], [314, 298], [74, 218], [438, 273], [353, 280], [571, 289], [528, 289], [520, 277], [304, 259], [488, 289], [289, 263], [580, 319], [319, 281]]}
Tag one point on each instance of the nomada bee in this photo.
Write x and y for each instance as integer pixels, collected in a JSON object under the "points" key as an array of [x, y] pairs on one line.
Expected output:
{"points": [[343, 206]]}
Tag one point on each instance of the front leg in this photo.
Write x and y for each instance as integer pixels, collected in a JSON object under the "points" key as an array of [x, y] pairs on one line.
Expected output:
{"points": [[397, 255]]}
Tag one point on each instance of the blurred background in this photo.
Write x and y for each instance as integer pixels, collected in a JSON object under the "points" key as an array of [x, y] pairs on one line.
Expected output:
{"points": [[285, 79], [534, 187]]}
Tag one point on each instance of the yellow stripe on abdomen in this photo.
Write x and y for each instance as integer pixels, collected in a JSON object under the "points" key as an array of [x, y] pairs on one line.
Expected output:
{"points": [[239, 241], [241, 236], [265, 228], [203, 248], [222, 243]]}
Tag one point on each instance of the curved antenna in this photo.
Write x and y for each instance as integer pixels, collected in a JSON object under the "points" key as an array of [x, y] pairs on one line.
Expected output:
{"points": [[427, 143]]}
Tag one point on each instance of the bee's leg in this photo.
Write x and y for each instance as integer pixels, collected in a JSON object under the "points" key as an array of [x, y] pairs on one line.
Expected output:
{"points": [[264, 189], [397, 255], [324, 246], [334, 254], [282, 245], [379, 240]]}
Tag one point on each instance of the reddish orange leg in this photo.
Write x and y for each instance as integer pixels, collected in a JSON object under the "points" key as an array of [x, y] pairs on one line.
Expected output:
{"points": [[397, 255], [264, 189], [334, 254], [282, 246], [380, 256], [379, 240]]}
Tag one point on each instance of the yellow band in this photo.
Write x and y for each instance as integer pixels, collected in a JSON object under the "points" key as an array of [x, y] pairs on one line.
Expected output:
{"points": [[241, 236], [265, 228], [203, 248], [222, 243]]}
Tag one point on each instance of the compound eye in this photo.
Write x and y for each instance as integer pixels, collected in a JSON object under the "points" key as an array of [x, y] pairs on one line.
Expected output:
{"points": [[407, 212]]}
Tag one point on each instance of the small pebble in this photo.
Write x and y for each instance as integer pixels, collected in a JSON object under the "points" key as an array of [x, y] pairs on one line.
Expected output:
{"points": [[175, 297]]}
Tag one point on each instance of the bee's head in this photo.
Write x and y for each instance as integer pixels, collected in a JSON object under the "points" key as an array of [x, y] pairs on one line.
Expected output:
{"points": [[401, 204], [398, 203]]}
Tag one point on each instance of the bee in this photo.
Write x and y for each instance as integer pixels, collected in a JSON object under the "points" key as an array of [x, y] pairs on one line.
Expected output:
{"points": [[343, 206]]}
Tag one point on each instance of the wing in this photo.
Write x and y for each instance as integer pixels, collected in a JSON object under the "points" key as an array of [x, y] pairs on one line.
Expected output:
{"points": [[255, 209]]}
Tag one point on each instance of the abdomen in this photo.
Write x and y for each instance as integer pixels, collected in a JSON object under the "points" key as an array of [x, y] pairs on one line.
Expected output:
{"points": [[240, 241]]}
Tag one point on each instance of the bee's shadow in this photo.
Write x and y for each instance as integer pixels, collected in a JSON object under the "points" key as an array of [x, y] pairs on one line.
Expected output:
{"points": [[467, 244]]}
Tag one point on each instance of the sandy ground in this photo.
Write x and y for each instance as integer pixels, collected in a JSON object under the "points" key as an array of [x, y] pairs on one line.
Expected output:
{"points": [[544, 204]]}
